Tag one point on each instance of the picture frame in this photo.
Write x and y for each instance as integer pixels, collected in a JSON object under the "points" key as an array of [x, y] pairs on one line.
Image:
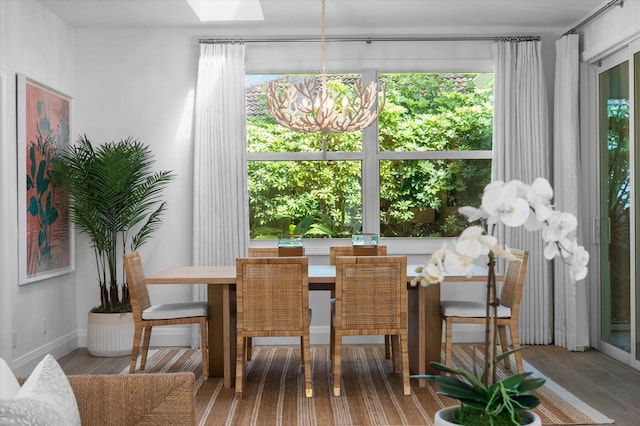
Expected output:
{"points": [[46, 234]]}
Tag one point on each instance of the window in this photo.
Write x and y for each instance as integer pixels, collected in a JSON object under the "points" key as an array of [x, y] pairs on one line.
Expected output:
{"points": [[431, 154]]}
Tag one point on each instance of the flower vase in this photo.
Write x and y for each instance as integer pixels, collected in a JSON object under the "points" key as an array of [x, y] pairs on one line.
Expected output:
{"points": [[445, 416]]}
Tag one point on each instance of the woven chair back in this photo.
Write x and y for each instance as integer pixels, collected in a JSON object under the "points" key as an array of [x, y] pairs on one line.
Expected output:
{"points": [[270, 252], [138, 292], [335, 251], [513, 284], [272, 295], [371, 294]]}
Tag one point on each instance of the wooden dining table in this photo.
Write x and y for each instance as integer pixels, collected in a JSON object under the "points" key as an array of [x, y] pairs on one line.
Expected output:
{"points": [[424, 321]]}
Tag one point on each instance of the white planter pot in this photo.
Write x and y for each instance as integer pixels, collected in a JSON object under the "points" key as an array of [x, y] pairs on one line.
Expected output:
{"points": [[444, 417], [110, 335]]}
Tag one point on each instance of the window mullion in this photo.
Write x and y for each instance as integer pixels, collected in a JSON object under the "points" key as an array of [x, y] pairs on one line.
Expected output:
{"points": [[370, 171]]}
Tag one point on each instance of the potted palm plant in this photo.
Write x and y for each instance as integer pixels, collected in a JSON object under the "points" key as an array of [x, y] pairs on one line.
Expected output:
{"points": [[484, 400], [115, 199]]}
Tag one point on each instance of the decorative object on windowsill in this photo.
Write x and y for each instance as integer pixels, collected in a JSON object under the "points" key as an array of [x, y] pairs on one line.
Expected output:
{"points": [[364, 244], [290, 245], [116, 201], [364, 240], [311, 107], [483, 398]]}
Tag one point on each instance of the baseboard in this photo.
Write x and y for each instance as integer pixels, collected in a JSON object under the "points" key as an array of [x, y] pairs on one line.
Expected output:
{"points": [[24, 365]]}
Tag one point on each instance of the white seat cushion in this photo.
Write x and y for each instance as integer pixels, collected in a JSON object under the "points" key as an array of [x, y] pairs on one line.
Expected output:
{"points": [[469, 309], [175, 310]]}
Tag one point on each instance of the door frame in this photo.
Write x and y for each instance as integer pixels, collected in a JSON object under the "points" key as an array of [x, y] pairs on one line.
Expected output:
{"points": [[591, 159]]}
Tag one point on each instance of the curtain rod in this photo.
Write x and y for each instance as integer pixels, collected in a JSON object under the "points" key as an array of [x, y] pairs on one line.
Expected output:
{"points": [[595, 15], [369, 40]]}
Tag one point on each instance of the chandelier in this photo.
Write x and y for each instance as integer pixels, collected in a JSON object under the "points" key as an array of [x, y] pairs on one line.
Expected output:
{"points": [[310, 106]]}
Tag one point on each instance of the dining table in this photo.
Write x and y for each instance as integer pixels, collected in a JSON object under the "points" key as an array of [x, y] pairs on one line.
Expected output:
{"points": [[424, 320]]}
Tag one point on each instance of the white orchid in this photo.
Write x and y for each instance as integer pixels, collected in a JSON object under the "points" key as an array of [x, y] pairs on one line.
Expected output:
{"points": [[513, 203], [502, 204], [579, 261], [473, 213], [473, 242], [560, 225], [458, 263], [539, 195]]}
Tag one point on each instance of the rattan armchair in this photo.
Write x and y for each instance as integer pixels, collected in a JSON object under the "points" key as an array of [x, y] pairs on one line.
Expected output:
{"points": [[134, 400], [371, 299], [147, 316], [272, 300], [474, 312]]}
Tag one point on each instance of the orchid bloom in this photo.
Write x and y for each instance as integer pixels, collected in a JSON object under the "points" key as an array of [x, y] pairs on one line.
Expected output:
{"points": [[560, 225], [473, 213], [458, 263], [514, 204], [579, 261], [473, 242], [502, 204], [539, 195]]}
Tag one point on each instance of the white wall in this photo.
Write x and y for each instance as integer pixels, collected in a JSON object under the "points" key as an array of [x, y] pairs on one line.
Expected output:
{"points": [[38, 44], [140, 83]]}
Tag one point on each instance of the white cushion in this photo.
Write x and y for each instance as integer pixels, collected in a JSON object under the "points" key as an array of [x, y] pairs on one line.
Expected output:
{"points": [[468, 309], [175, 310], [46, 398], [9, 385]]}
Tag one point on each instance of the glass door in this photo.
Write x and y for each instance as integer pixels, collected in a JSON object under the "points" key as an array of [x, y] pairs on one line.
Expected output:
{"points": [[615, 209]]}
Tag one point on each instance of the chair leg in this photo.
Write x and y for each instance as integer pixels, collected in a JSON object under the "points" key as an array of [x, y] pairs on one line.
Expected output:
{"points": [[239, 364], [515, 339], [145, 346], [306, 358], [335, 365], [447, 341], [137, 337], [204, 345], [395, 352], [248, 344], [387, 346], [332, 336], [404, 348], [504, 344]]}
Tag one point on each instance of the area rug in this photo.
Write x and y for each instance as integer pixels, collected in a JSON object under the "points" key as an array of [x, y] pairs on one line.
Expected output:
{"points": [[371, 393]]}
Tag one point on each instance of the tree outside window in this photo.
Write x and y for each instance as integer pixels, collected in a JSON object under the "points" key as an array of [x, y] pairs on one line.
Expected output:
{"points": [[433, 153]]}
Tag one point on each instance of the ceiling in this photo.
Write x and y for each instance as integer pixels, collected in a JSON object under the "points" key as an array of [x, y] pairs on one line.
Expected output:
{"points": [[344, 17]]}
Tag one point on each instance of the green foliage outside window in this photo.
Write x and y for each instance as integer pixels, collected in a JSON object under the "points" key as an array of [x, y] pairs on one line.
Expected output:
{"points": [[418, 198]]}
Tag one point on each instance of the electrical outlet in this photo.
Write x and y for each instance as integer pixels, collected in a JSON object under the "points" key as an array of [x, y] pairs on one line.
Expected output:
{"points": [[14, 339], [44, 326]]}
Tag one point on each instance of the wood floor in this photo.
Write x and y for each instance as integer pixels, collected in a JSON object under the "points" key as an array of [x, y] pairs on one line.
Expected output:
{"points": [[605, 384]]}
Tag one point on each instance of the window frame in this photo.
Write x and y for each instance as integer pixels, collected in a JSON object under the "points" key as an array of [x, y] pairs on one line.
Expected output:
{"points": [[419, 57]]}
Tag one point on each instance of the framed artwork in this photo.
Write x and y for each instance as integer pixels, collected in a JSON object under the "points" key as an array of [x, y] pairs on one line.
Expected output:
{"points": [[46, 243]]}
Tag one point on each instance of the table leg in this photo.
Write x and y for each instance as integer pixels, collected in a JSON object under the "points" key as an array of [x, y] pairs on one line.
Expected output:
{"points": [[220, 325], [430, 337]]}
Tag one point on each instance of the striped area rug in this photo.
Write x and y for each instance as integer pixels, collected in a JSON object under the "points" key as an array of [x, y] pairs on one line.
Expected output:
{"points": [[371, 393]]}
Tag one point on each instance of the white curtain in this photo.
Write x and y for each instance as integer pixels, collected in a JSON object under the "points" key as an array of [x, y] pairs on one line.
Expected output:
{"points": [[570, 324], [521, 139], [220, 200]]}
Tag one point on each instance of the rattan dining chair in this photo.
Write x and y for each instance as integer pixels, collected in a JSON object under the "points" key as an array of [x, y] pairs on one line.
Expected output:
{"points": [[266, 252], [335, 251], [371, 299], [474, 312], [146, 316], [272, 300]]}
